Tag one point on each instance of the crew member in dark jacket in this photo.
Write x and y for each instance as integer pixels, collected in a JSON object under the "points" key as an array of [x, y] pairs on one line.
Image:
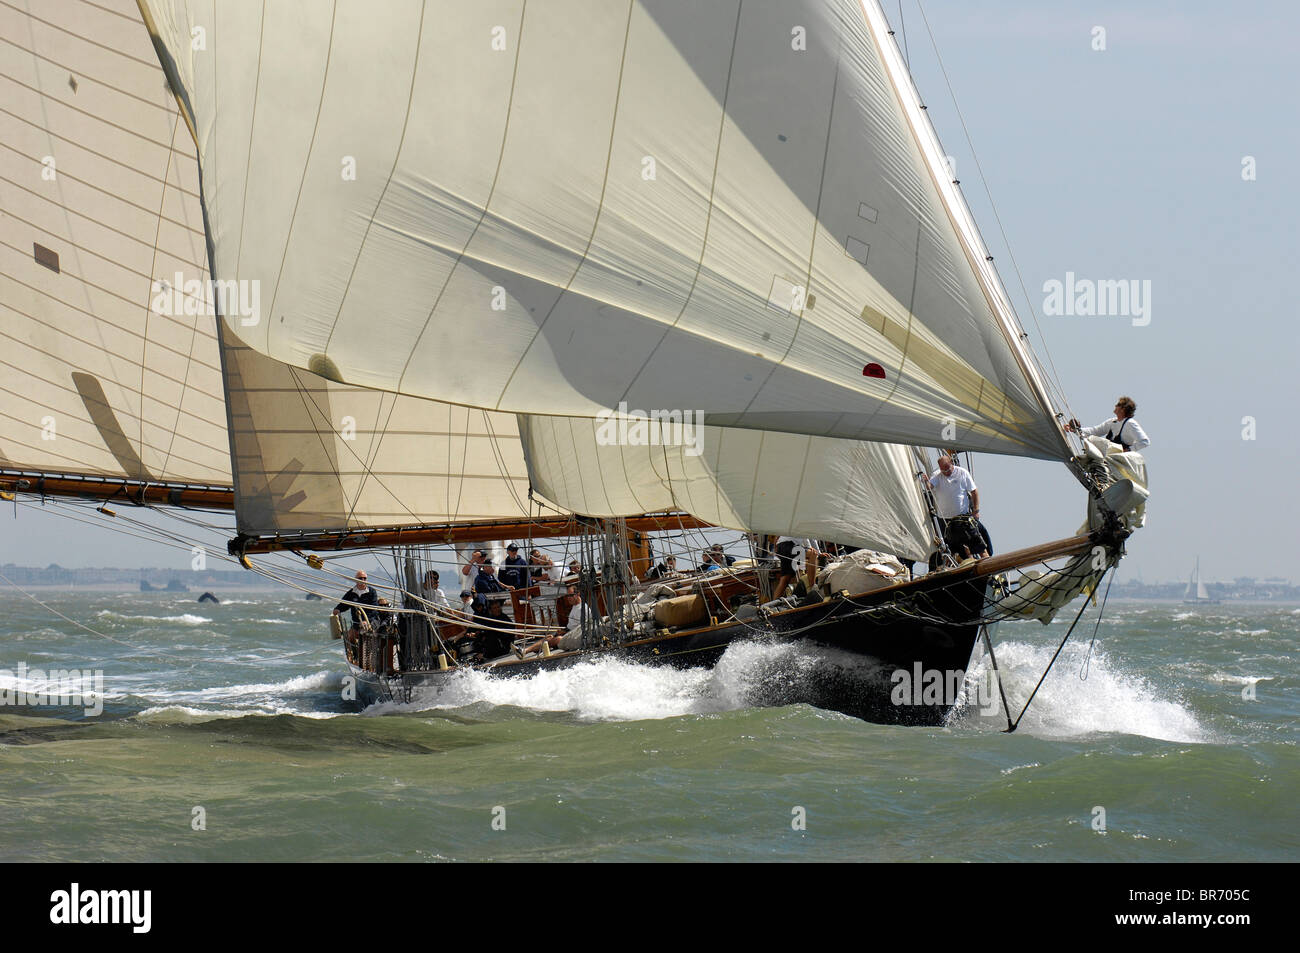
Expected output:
{"points": [[361, 593], [510, 575]]}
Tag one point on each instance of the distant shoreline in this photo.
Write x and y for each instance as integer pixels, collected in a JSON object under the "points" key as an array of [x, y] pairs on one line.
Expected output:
{"points": [[160, 590]]}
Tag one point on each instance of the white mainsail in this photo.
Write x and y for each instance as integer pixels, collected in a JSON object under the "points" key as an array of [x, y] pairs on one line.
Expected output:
{"points": [[725, 207]]}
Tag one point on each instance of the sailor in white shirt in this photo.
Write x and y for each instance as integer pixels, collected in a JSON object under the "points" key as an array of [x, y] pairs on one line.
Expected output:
{"points": [[571, 638], [956, 495], [955, 492], [1121, 429]]}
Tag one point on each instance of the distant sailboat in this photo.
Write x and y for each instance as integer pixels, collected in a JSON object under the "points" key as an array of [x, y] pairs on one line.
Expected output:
{"points": [[1196, 593]]}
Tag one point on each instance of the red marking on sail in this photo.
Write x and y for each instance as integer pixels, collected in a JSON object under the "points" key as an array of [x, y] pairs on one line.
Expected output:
{"points": [[873, 370]]}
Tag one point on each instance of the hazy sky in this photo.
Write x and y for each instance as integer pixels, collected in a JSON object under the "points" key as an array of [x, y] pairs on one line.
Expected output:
{"points": [[1122, 163]]}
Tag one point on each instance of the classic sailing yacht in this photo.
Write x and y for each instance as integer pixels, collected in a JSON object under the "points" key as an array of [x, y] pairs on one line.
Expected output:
{"points": [[458, 245]]}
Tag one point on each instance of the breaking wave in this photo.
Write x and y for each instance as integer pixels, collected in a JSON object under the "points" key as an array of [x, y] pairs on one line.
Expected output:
{"points": [[1108, 700]]}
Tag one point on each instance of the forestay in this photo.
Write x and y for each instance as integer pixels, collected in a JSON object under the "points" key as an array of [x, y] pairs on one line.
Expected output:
{"points": [[733, 208]]}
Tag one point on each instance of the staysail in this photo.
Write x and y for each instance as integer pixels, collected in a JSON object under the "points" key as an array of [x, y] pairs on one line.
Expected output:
{"points": [[725, 207], [784, 484]]}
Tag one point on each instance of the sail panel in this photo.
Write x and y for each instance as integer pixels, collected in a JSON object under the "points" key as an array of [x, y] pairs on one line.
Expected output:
{"points": [[719, 207], [100, 202], [853, 492], [314, 455]]}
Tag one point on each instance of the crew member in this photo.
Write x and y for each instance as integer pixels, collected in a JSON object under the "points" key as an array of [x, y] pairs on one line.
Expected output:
{"points": [[510, 575], [1122, 429], [788, 551], [360, 595], [957, 504]]}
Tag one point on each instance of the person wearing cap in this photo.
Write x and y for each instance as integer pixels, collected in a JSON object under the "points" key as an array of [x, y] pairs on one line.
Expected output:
{"points": [[511, 575]]}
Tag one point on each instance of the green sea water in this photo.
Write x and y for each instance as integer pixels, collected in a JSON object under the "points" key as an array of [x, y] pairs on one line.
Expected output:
{"points": [[225, 736]]}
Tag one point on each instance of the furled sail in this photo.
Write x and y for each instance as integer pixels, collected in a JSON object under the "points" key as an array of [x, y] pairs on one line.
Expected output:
{"points": [[99, 200], [849, 491], [737, 208]]}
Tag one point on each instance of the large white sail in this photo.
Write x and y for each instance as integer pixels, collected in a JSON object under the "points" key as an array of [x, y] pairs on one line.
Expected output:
{"points": [[100, 199], [724, 207], [853, 492]]}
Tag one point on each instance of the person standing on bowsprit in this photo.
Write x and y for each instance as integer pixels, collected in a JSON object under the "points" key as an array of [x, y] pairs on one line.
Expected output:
{"points": [[1122, 429]]}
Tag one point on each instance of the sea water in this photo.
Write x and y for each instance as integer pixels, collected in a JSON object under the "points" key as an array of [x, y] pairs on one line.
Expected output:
{"points": [[226, 734]]}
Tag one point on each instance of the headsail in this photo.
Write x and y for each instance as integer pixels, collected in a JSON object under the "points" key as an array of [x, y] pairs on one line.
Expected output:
{"points": [[725, 207], [849, 491]]}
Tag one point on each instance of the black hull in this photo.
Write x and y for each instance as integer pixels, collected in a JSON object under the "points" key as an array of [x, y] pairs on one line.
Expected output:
{"points": [[865, 657]]}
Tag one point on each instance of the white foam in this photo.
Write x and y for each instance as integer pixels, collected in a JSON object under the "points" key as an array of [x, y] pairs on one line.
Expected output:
{"points": [[1108, 701], [1223, 678], [317, 681], [184, 619], [600, 690], [186, 715], [613, 690]]}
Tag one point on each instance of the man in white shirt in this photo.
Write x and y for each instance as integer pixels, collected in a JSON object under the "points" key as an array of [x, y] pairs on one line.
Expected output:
{"points": [[1121, 429], [471, 570], [957, 504], [571, 638]]}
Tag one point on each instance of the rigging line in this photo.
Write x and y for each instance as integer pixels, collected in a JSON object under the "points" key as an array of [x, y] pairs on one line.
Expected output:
{"points": [[306, 395], [993, 659], [397, 154], [194, 335], [708, 217], [599, 211], [152, 534], [311, 145], [102, 635], [1087, 659], [998, 218], [1028, 701], [902, 28]]}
